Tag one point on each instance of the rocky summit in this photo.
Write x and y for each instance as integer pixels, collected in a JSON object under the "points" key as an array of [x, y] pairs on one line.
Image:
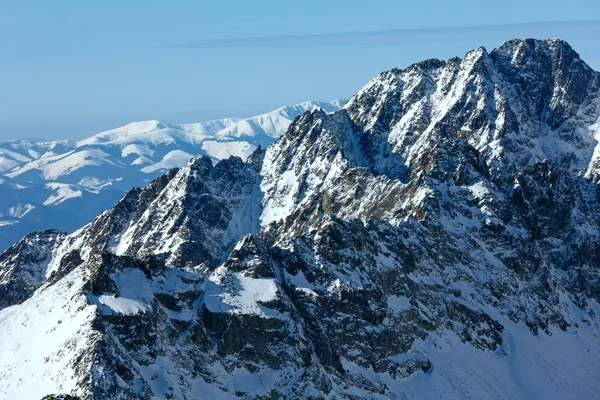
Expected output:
{"points": [[436, 237]]}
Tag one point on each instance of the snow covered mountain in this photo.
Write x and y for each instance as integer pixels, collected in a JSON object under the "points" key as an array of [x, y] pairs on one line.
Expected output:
{"points": [[436, 237], [64, 184]]}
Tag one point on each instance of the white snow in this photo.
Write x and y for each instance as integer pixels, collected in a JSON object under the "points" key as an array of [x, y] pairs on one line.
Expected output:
{"points": [[238, 294], [19, 211], [53, 167], [173, 159], [280, 206], [125, 133], [135, 293], [301, 283], [95, 185], [61, 192], [8, 223], [6, 164], [561, 366], [10, 159], [222, 150], [141, 161], [41, 339], [139, 149], [123, 305], [479, 190]]}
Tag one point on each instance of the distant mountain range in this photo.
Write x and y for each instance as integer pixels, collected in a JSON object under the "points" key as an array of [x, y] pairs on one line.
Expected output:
{"points": [[63, 184]]}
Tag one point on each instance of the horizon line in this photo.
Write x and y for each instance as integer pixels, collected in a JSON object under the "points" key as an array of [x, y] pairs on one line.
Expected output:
{"points": [[578, 29]]}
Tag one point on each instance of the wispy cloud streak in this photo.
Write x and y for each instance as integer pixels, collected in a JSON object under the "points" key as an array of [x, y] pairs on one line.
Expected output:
{"points": [[574, 30]]}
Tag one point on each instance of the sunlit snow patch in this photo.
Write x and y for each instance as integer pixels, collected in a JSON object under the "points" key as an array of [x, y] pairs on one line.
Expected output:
{"points": [[173, 159], [7, 223], [239, 294], [124, 306], [19, 211], [223, 150], [61, 192], [301, 283]]}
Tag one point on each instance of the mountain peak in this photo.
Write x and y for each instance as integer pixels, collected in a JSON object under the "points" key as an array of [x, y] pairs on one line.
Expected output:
{"points": [[556, 54], [530, 45], [199, 165], [437, 226]]}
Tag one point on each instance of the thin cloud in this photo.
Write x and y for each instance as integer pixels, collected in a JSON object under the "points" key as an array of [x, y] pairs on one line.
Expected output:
{"points": [[574, 30], [250, 23]]}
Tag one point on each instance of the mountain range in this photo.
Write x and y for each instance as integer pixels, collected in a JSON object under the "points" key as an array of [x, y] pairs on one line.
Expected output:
{"points": [[64, 184], [438, 236]]}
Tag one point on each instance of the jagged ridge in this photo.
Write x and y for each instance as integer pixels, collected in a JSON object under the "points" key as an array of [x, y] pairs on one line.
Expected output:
{"points": [[438, 235]]}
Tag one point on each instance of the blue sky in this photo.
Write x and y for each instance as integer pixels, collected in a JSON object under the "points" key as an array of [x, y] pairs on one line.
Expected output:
{"points": [[73, 68]]}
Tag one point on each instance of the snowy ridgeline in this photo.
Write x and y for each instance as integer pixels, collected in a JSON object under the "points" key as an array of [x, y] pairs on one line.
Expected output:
{"points": [[64, 184]]}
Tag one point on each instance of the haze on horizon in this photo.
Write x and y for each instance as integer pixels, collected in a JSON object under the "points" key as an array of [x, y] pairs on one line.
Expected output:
{"points": [[72, 69]]}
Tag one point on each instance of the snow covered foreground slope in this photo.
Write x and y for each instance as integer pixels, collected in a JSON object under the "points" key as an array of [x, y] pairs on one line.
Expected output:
{"points": [[437, 237], [64, 184]]}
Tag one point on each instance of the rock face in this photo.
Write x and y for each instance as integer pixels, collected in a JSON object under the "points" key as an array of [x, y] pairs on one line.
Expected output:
{"points": [[23, 266], [436, 237]]}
